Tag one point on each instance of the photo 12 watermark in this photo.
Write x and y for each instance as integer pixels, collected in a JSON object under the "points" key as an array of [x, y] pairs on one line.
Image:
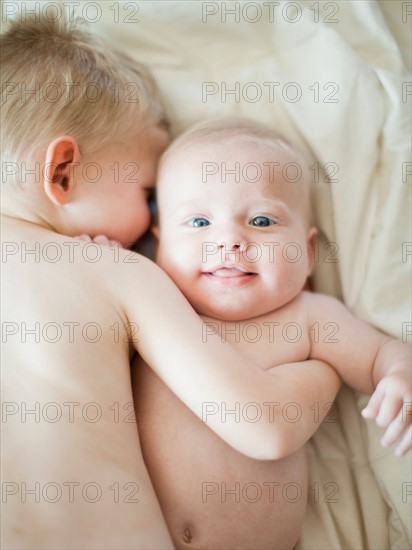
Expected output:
{"points": [[269, 171], [69, 251], [406, 492], [252, 412], [406, 252], [91, 172], [70, 412], [68, 92], [270, 331], [68, 332], [270, 92], [406, 331], [406, 12], [53, 492], [253, 12], [269, 492], [406, 172], [251, 252], [90, 12]]}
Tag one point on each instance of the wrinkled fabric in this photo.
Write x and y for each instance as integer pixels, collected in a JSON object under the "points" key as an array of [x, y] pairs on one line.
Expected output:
{"points": [[349, 62]]}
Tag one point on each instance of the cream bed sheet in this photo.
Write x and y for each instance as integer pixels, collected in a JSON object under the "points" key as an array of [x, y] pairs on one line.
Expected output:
{"points": [[360, 494]]}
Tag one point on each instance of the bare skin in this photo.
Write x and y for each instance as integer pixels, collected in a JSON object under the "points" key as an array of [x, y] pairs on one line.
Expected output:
{"points": [[193, 470], [105, 453], [73, 473], [212, 496], [258, 306], [93, 447]]}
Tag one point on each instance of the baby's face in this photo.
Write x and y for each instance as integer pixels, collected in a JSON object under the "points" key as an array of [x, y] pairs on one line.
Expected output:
{"points": [[237, 245]]}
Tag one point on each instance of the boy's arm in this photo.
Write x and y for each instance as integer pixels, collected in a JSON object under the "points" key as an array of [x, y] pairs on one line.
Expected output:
{"points": [[207, 377], [305, 392], [213, 378], [366, 360]]}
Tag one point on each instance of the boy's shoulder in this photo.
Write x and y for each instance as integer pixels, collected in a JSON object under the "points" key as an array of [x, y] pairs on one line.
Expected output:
{"points": [[44, 250], [51, 268]]}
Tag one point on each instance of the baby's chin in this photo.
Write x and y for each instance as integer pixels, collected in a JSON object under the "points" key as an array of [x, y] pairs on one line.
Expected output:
{"points": [[237, 313]]}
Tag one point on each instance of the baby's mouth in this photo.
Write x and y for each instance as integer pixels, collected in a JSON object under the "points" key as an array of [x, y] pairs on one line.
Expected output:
{"points": [[226, 272], [230, 275]]}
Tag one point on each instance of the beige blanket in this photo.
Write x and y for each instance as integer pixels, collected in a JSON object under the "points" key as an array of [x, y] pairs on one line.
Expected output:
{"points": [[332, 76]]}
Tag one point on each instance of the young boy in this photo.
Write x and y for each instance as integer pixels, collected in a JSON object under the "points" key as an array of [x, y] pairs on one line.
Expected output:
{"points": [[82, 133], [235, 235]]}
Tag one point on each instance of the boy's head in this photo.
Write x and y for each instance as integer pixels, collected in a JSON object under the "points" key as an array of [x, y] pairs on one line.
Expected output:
{"points": [[60, 79], [90, 117], [234, 219]]}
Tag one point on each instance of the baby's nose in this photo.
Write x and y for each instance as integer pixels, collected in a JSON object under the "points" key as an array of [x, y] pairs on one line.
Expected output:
{"points": [[229, 246]]}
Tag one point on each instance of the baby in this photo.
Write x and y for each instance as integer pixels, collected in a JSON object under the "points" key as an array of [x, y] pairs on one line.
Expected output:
{"points": [[82, 132], [235, 235]]}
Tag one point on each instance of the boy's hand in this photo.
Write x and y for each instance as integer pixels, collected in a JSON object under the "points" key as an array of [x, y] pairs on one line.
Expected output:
{"points": [[391, 406], [100, 239]]}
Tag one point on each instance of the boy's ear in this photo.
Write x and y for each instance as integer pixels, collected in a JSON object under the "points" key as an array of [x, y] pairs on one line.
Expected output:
{"points": [[61, 156], [312, 238]]}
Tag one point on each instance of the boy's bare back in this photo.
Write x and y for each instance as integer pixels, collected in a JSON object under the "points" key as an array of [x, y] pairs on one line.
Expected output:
{"points": [[71, 454], [72, 474]]}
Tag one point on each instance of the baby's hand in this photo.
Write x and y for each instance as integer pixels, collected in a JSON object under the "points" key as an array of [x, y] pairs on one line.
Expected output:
{"points": [[100, 239], [391, 406]]}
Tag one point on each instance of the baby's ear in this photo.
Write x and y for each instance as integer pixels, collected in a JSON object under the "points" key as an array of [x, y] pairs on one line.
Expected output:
{"points": [[61, 156], [155, 232], [311, 244]]}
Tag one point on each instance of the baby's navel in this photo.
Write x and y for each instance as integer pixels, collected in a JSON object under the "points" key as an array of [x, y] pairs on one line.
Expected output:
{"points": [[187, 534]]}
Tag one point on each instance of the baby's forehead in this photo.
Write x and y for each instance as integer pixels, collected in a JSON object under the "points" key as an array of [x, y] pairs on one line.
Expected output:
{"points": [[211, 169], [234, 145], [236, 158]]}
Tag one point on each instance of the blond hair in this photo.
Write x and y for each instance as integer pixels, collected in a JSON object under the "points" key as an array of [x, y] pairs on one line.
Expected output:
{"points": [[59, 79]]}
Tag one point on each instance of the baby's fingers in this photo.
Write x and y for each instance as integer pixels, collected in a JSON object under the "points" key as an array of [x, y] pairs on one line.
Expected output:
{"points": [[372, 408], [406, 443], [105, 241], [84, 237], [102, 239], [389, 409], [395, 429]]}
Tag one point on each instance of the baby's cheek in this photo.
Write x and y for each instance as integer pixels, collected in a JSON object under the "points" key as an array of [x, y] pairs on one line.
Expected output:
{"points": [[164, 256], [295, 271]]}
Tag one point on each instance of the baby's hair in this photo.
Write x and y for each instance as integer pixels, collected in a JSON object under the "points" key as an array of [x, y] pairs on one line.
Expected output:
{"points": [[59, 79], [225, 129], [233, 127]]}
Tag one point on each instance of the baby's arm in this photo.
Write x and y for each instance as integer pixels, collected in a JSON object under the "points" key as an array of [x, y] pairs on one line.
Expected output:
{"points": [[369, 362], [391, 402]]}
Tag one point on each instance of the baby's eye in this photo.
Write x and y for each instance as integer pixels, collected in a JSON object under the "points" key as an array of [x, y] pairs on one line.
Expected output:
{"points": [[199, 222], [261, 221]]}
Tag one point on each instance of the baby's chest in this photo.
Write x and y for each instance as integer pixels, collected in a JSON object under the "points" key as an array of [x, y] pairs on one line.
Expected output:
{"points": [[267, 341]]}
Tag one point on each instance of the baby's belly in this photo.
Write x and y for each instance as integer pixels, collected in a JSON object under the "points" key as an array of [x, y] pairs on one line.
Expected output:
{"points": [[211, 495]]}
